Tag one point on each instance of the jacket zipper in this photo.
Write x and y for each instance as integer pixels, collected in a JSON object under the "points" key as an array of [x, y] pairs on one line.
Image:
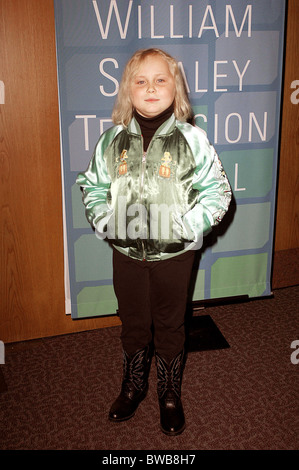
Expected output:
{"points": [[144, 155], [141, 195]]}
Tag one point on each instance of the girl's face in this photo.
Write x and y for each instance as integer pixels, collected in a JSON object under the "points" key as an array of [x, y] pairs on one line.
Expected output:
{"points": [[153, 87]]}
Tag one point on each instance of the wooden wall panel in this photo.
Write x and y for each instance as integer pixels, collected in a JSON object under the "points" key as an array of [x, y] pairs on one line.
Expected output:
{"points": [[32, 284], [287, 223]]}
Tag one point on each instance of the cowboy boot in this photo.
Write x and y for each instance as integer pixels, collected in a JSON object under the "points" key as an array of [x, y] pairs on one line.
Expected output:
{"points": [[172, 419], [134, 385]]}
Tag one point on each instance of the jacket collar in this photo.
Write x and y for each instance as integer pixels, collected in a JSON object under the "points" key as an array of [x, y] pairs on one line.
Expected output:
{"points": [[165, 128]]}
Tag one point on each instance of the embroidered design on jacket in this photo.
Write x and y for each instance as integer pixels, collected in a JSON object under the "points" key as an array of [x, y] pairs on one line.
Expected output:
{"points": [[165, 170], [123, 167], [225, 196]]}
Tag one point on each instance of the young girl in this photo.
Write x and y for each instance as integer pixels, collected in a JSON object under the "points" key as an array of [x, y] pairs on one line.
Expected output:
{"points": [[153, 188]]}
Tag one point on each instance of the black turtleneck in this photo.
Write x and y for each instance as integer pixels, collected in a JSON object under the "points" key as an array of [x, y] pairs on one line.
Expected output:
{"points": [[149, 126]]}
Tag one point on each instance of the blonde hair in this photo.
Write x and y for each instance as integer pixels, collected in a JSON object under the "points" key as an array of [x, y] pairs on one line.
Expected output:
{"points": [[123, 109]]}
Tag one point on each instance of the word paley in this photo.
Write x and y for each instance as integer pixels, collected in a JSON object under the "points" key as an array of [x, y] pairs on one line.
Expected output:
{"points": [[220, 73], [194, 28]]}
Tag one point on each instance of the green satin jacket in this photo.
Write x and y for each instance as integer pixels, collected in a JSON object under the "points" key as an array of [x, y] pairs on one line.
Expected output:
{"points": [[156, 204]]}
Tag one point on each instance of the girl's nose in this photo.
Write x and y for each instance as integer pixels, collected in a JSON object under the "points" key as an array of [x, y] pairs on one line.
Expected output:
{"points": [[150, 88]]}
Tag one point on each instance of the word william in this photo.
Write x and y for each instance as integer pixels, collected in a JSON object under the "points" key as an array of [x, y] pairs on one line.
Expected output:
{"points": [[208, 21]]}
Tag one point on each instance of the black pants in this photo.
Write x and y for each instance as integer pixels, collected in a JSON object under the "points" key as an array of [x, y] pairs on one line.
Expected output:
{"points": [[152, 298]]}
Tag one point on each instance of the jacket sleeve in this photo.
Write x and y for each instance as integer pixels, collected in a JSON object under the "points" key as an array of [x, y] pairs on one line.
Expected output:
{"points": [[95, 183], [214, 191]]}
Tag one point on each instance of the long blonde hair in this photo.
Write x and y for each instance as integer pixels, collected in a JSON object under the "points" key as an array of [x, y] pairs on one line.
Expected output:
{"points": [[123, 109]]}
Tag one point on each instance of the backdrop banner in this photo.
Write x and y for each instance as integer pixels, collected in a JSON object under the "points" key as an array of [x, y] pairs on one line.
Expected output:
{"points": [[231, 55]]}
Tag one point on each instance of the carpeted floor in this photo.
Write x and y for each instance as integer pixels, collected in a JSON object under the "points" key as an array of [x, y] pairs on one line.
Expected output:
{"points": [[246, 396]]}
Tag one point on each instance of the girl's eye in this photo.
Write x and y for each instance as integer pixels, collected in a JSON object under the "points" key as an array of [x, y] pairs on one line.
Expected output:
{"points": [[140, 82], [160, 80]]}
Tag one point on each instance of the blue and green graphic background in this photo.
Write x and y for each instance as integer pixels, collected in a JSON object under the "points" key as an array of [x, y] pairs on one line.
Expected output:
{"points": [[231, 55]]}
